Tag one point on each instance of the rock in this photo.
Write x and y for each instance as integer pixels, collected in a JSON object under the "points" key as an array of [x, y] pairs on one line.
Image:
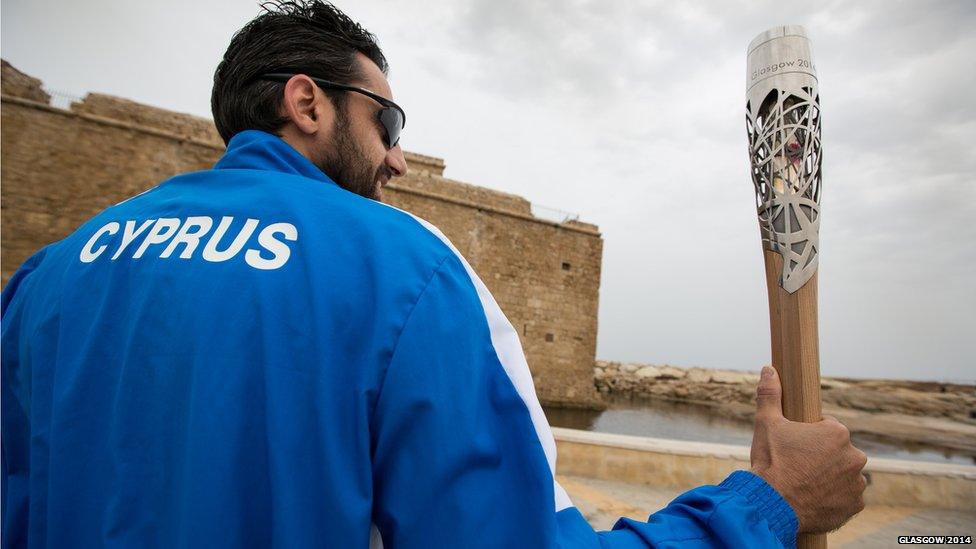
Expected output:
{"points": [[629, 368], [827, 383], [658, 389], [648, 371], [697, 375], [670, 372], [734, 378]]}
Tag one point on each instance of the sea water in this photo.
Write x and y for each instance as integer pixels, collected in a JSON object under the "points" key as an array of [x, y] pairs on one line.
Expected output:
{"points": [[700, 423]]}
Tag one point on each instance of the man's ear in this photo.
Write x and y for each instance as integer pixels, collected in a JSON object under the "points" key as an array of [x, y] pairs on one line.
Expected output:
{"points": [[305, 104]]}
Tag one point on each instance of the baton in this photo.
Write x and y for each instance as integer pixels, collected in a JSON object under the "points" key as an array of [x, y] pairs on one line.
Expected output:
{"points": [[783, 126]]}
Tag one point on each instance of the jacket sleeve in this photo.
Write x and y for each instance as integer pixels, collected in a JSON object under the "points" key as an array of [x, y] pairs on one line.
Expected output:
{"points": [[462, 455], [15, 397]]}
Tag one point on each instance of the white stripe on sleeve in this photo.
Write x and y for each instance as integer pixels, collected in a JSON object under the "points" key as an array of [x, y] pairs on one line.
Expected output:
{"points": [[507, 346]]}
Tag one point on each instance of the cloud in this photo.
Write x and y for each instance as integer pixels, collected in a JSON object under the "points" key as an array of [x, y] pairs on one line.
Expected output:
{"points": [[659, 87]]}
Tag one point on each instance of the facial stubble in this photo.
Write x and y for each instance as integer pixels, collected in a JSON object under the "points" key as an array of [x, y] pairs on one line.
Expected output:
{"points": [[347, 164]]}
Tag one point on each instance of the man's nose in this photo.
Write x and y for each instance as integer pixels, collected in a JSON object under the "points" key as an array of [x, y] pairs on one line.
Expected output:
{"points": [[396, 162]]}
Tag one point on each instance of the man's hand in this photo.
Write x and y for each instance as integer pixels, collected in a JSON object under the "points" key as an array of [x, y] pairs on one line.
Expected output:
{"points": [[813, 466]]}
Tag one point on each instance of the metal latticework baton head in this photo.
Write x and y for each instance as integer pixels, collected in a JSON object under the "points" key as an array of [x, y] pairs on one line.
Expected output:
{"points": [[783, 122]]}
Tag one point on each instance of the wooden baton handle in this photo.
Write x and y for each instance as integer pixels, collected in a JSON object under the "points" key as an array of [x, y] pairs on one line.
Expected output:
{"points": [[795, 354]]}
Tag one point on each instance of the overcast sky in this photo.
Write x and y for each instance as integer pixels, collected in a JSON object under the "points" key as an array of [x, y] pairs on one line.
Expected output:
{"points": [[632, 115]]}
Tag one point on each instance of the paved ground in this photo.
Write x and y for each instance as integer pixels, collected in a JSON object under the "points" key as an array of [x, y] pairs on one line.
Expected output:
{"points": [[602, 502]]}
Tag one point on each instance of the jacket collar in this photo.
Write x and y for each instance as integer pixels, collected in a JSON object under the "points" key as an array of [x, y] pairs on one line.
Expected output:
{"points": [[258, 150]]}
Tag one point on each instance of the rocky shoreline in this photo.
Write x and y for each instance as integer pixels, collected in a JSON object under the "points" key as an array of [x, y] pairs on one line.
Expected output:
{"points": [[940, 415]]}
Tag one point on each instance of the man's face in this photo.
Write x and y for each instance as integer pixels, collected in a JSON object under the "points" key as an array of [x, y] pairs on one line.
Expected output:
{"points": [[355, 154]]}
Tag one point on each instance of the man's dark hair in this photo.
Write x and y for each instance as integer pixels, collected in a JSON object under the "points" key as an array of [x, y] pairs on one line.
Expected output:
{"points": [[305, 36]]}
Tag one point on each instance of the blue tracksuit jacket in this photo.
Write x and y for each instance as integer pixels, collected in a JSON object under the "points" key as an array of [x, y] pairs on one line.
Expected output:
{"points": [[251, 356]]}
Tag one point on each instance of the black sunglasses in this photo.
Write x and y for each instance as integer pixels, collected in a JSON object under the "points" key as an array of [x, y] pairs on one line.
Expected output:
{"points": [[391, 115]]}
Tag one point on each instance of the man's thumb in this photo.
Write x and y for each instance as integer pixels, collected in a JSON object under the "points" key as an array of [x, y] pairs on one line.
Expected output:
{"points": [[769, 394]]}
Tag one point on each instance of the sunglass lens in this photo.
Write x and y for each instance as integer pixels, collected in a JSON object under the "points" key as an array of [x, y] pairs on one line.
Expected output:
{"points": [[392, 120]]}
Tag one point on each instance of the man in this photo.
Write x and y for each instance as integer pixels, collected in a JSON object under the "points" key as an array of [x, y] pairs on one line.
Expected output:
{"points": [[262, 354]]}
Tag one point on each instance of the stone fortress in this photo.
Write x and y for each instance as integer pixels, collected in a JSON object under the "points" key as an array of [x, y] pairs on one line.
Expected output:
{"points": [[60, 166]]}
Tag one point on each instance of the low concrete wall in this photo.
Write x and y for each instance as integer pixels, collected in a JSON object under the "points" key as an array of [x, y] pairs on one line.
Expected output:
{"points": [[682, 465]]}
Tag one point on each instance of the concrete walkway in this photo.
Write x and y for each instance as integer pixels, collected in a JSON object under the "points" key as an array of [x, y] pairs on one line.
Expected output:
{"points": [[603, 501]]}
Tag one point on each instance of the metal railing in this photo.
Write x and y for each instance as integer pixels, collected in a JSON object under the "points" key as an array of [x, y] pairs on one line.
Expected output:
{"points": [[553, 214], [61, 99]]}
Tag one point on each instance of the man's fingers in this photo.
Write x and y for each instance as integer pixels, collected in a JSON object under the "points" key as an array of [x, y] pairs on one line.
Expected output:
{"points": [[769, 395]]}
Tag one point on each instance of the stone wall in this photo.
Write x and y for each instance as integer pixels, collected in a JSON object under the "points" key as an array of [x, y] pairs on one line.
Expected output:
{"points": [[60, 167]]}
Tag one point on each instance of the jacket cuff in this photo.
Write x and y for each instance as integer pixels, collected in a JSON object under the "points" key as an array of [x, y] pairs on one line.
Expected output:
{"points": [[768, 502]]}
